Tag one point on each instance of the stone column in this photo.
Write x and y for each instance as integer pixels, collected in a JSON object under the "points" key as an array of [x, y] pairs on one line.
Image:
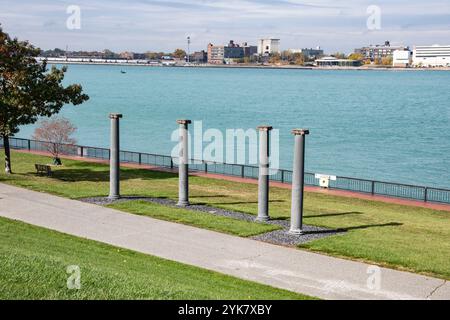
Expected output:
{"points": [[298, 182], [114, 171], [183, 166], [263, 190]]}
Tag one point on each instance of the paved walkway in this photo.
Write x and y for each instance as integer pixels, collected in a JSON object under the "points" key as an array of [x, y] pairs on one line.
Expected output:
{"points": [[287, 268], [332, 192]]}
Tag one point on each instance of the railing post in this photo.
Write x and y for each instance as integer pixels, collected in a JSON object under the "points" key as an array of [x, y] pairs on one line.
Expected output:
{"points": [[206, 167], [29, 145], [426, 194], [373, 187], [140, 158], [242, 171], [282, 176], [171, 163]]}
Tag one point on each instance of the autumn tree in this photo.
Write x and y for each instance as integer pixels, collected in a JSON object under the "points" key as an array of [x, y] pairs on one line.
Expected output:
{"points": [[356, 57], [108, 54], [275, 58], [55, 134], [28, 90], [387, 61], [179, 54], [340, 55], [299, 58], [152, 55]]}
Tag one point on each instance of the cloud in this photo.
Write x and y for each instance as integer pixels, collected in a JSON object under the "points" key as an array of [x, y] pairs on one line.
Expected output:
{"points": [[142, 25]]}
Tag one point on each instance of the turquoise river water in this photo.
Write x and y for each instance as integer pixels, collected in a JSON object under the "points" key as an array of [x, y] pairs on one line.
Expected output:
{"points": [[381, 125]]}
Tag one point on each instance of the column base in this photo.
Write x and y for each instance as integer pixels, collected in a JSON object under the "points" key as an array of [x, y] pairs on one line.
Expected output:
{"points": [[296, 232], [183, 204], [262, 219], [115, 197]]}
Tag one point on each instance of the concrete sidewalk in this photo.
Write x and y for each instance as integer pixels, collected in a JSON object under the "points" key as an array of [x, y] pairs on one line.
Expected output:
{"points": [[291, 269]]}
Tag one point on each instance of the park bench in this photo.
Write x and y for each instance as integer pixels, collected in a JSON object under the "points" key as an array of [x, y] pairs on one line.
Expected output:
{"points": [[43, 169]]}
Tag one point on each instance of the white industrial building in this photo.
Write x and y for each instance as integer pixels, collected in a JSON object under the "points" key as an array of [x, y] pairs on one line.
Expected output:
{"points": [[431, 56], [268, 46], [402, 58], [335, 62], [309, 53]]}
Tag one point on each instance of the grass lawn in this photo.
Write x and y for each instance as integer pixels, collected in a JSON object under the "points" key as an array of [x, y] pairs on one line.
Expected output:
{"points": [[33, 263], [415, 239], [193, 218]]}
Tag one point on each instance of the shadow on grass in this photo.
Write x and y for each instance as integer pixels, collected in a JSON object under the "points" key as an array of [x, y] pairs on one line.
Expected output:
{"points": [[90, 175], [343, 230], [211, 196], [326, 215], [244, 202]]}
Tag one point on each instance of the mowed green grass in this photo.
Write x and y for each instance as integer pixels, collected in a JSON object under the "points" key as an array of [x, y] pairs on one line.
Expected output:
{"points": [[77, 180], [410, 238], [34, 261]]}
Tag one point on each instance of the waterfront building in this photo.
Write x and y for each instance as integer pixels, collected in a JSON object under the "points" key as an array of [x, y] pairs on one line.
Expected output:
{"points": [[127, 55], [402, 58], [233, 51], [335, 62], [216, 54], [139, 56], [249, 50], [313, 53], [228, 54], [309, 53], [268, 46], [199, 57], [431, 56], [378, 52]]}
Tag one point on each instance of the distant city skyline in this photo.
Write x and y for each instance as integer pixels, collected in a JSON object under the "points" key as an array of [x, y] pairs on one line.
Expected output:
{"points": [[157, 25]]}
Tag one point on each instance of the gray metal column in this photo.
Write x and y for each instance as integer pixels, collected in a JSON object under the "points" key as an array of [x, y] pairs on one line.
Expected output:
{"points": [[263, 190], [298, 182], [114, 171], [183, 166]]}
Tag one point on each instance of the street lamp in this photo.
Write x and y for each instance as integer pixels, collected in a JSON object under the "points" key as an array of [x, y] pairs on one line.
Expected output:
{"points": [[189, 50]]}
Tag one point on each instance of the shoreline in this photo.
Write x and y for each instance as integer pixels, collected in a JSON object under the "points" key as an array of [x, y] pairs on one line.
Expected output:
{"points": [[212, 66]]}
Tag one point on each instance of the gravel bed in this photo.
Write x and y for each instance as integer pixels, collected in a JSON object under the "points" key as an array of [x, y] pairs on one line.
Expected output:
{"points": [[279, 237], [283, 237]]}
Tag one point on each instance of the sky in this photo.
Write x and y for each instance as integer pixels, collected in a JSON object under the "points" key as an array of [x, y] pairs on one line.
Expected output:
{"points": [[159, 25]]}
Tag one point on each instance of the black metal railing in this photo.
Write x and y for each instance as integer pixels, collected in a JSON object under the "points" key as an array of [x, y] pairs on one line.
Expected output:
{"points": [[389, 189]]}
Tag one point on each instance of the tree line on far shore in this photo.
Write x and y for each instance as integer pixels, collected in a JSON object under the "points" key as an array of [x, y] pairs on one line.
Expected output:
{"points": [[109, 54], [298, 58]]}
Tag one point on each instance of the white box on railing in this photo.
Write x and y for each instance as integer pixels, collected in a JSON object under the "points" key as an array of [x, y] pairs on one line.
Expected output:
{"points": [[324, 180]]}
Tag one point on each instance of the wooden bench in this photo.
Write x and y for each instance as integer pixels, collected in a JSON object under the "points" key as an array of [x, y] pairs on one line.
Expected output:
{"points": [[43, 169]]}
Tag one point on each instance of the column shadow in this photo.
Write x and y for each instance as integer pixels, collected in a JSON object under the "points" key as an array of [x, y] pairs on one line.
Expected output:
{"points": [[343, 230]]}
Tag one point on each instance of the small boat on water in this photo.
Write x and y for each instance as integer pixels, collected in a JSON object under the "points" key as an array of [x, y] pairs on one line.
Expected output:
{"points": [[122, 72]]}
